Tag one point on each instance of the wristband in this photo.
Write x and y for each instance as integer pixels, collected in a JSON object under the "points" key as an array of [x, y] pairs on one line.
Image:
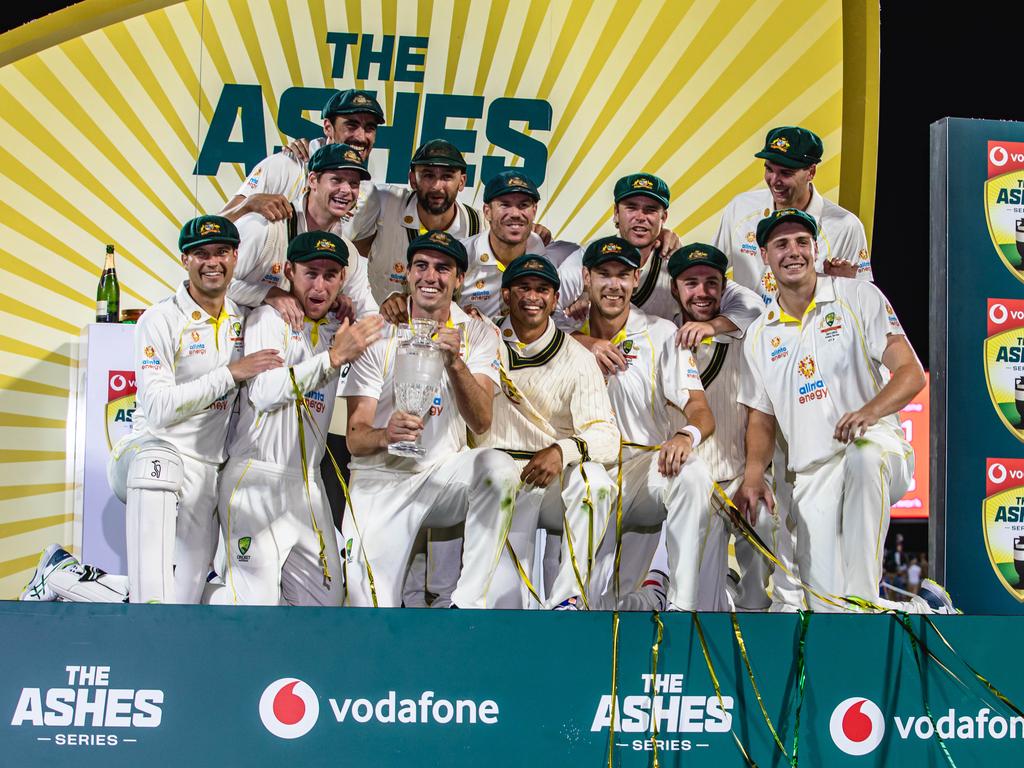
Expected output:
{"points": [[693, 432]]}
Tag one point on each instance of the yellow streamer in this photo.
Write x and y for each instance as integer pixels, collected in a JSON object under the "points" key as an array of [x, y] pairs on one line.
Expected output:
{"points": [[349, 510], [300, 401], [615, 693], [753, 683], [654, 685], [717, 686]]}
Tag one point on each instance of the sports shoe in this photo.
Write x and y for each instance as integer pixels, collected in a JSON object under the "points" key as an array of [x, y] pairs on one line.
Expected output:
{"points": [[54, 558], [936, 596], [569, 604]]}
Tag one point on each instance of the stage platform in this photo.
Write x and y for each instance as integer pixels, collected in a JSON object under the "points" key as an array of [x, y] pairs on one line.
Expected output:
{"points": [[112, 685]]}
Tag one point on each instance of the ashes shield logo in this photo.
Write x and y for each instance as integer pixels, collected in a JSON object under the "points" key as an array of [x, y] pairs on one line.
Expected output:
{"points": [[120, 405], [1003, 522], [1004, 203], [1004, 362]]}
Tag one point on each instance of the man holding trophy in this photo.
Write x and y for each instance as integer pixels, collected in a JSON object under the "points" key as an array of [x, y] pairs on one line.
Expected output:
{"points": [[412, 397]]}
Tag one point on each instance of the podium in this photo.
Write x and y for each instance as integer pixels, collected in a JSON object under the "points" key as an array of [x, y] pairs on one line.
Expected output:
{"points": [[104, 397]]}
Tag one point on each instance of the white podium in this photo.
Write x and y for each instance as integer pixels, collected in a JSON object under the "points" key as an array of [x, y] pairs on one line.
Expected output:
{"points": [[104, 402]]}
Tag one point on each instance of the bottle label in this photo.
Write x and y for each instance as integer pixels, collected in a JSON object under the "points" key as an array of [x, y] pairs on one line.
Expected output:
{"points": [[101, 308]]}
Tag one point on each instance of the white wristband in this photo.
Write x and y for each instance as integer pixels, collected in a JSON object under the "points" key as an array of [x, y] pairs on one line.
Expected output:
{"points": [[693, 432]]}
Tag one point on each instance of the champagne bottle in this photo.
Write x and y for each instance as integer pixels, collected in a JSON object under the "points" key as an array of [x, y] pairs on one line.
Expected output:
{"points": [[108, 292]]}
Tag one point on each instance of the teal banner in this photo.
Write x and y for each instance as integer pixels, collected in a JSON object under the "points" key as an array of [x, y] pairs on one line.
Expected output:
{"points": [[126, 685], [977, 366]]}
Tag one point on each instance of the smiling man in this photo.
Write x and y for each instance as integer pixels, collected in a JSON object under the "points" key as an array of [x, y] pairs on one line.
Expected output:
{"points": [[818, 358], [394, 497], [437, 173], [188, 367], [555, 420], [335, 173], [663, 416], [279, 538], [349, 117], [791, 155]]}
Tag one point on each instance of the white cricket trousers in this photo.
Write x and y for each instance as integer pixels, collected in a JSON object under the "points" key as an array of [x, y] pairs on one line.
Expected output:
{"points": [[841, 509], [271, 548], [649, 498], [543, 508], [389, 509]]}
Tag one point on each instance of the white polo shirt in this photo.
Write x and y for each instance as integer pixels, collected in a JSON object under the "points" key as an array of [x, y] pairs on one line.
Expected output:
{"points": [[808, 372], [397, 225], [653, 294], [282, 174], [840, 236], [185, 390], [444, 432], [482, 286], [261, 262], [649, 396], [267, 428]]}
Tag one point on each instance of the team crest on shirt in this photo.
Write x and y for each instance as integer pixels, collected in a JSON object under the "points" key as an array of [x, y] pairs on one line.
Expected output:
{"points": [[778, 352], [830, 326], [627, 351], [814, 388], [253, 181], [149, 360], [244, 542], [236, 334], [769, 286]]}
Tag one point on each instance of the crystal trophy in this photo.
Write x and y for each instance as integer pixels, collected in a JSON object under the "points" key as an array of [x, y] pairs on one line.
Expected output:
{"points": [[419, 365]]}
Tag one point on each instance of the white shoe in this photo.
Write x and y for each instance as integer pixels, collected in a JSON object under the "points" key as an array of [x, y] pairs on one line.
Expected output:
{"points": [[54, 558], [936, 596]]}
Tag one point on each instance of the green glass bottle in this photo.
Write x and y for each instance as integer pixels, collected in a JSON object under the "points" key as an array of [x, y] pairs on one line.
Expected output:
{"points": [[108, 292]]}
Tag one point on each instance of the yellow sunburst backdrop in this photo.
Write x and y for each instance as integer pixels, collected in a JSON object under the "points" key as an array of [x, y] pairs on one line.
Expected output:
{"points": [[108, 105]]}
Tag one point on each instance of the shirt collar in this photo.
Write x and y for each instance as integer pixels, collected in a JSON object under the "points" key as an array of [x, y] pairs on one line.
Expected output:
{"points": [[824, 293], [508, 335], [815, 205], [636, 323], [193, 311], [456, 316]]}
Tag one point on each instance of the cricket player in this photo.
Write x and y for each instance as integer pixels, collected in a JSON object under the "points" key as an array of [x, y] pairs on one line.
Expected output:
{"points": [[335, 172], [394, 497], [189, 364], [555, 420], [641, 210], [663, 416], [279, 537], [510, 207], [349, 117], [437, 174], [698, 280], [791, 155], [816, 361]]}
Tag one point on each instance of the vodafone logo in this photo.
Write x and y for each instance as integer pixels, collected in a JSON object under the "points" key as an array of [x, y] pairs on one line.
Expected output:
{"points": [[857, 726], [998, 156], [997, 474], [289, 708]]}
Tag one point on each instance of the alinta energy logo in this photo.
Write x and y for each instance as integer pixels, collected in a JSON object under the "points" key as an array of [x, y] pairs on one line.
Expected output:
{"points": [[289, 708], [857, 726]]}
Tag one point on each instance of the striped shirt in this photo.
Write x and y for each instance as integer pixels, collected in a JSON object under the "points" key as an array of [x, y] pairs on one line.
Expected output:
{"points": [[552, 393]]}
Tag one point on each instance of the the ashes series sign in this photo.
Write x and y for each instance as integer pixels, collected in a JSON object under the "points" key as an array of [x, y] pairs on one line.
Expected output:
{"points": [[977, 362]]}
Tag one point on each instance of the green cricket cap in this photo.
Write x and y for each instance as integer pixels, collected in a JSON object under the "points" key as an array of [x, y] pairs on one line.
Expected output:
{"points": [[207, 229], [611, 249], [439, 152], [318, 245], [508, 182], [696, 253], [349, 102], [530, 264], [334, 157], [792, 146], [770, 222], [442, 242], [642, 184]]}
